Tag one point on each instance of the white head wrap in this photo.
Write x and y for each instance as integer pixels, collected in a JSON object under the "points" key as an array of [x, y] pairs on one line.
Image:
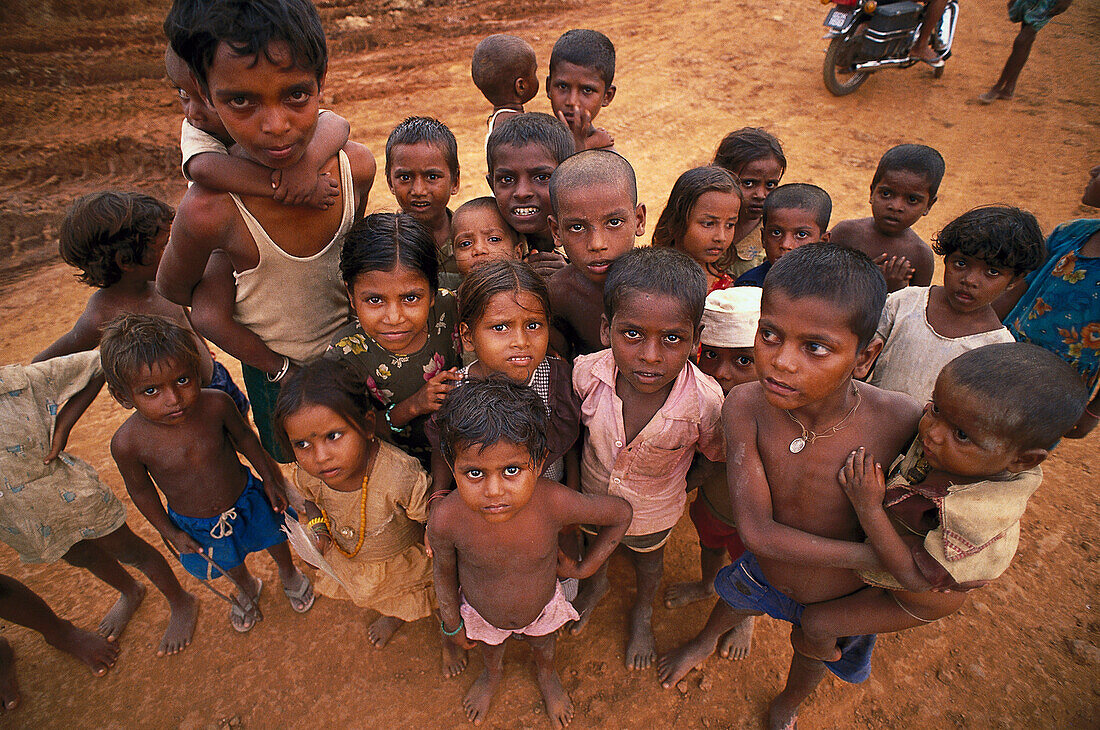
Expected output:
{"points": [[731, 316]]}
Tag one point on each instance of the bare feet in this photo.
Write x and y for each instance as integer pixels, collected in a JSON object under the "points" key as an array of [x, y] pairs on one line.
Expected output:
{"points": [[383, 629], [591, 592], [92, 649], [181, 625], [927, 55], [641, 648], [454, 659], [992, 95], [826, 651], [477, 700], [559, 708], [675, 665], [781, 716], [115, 621], [736, 643], [9, 688], [681, 594]]}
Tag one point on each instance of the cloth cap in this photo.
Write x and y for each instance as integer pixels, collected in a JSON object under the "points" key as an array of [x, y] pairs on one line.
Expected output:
{"points": [[731, 316]]}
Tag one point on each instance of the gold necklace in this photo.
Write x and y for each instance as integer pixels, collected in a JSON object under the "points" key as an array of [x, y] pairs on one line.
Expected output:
{"points": [[808, 436], [362, 522]]}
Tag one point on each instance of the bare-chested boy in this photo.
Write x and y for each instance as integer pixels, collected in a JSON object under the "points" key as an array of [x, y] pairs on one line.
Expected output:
{"points": [[495, 540], [787, 436]]}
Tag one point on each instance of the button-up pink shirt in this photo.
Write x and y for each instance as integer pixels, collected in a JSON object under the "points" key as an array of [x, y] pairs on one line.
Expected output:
{"points": [[651, 471]]}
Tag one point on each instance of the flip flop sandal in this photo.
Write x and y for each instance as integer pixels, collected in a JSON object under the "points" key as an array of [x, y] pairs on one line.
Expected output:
{"points": [[297, 596], [239, 615]]}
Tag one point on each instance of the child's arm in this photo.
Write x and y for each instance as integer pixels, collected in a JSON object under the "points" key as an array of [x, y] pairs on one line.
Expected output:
{"points": [[321, 540], [84, 336], [426, 400], [586, 136], [445, 572], [299, 184], [613, 514], [923, 262], [70, 413], [247, 444], [897, 271], [442, 478], [573, 465]]}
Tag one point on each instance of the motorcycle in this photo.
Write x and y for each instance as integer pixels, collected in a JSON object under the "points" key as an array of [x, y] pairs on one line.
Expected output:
{"points": [[868, 35]]}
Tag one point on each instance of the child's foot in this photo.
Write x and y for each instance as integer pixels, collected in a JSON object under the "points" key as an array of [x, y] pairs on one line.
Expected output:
{"points": [[641, 648], [735, 643], [559, 708], [781, 716], [181, 625], [299, 591], [244, 612], [675, 665], [681, 594], [94, 650], [591, 592], [992, 95], [479, 697], [383, 629], [115, 621], [9, 688], [826, 651], [454, 659]]}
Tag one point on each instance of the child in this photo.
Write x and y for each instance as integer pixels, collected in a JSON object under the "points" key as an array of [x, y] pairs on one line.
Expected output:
{"points": [[55, 506], [787, 437], [596, 218], [506, 73], [582, 68], [495, 538], [422, 172], [794, 215], [647, 409], [1058, 306], [923, 328], [1032, 15], [756, 159], [116, 240], [480, 234], [903, 190], [404, 344], [962, 486], [700, 219], [184, 440], [522, 153], [364, 497]]}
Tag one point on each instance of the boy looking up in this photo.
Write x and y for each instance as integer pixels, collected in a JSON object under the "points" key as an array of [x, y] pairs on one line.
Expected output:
{"points": [[261, 66], [594, 196], [480, 234], [582, 69], [903, 190], [506, 73], [422, 172], [647, 409], [794, 215]]}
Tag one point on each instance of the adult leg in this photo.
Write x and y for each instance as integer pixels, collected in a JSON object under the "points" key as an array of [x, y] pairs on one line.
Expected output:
{"points": [[1006, 84], [641, 648], [922, 47], [559, 708], [723, 620], [711, 560], [480, 695]]}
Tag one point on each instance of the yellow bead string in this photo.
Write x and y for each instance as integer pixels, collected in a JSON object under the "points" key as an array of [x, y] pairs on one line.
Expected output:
{"points": [[362, 522]]}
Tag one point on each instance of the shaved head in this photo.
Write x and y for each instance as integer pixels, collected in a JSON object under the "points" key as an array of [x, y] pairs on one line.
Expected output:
{"points": [[593, 167], [498, 61]]}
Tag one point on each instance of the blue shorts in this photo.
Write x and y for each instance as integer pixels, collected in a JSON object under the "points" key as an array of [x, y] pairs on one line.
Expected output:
{"points": [[249, 526], [743, 587], [223, 381]]}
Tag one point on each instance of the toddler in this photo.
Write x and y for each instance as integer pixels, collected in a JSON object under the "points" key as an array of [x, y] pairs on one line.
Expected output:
{"points": [[794, 215], [495, 538], [506, 73], [647, 409], [903, 190], [479, 234], [700, 219], [923, 328], [582, 69], [184, 441]]}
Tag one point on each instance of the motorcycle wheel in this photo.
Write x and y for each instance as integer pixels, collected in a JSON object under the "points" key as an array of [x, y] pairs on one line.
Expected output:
{"points": [[837, 81]]}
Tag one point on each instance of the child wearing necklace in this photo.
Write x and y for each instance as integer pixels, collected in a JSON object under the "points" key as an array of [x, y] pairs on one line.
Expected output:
{"points": [[364, 501]]}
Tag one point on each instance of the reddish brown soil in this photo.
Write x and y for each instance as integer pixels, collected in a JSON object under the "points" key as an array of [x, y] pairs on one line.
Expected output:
{"points": [[86, 107]]}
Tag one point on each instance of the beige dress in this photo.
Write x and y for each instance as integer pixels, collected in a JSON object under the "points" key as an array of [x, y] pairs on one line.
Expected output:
{"points": [[391, 573]]}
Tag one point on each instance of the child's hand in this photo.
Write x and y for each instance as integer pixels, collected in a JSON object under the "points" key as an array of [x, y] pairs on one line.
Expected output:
{"points": [[183, 543], [862, 479], [430, 397], [305, 188], [57, 446], [598, 139], [896, 270], [322, 542], [276, 493], [570, 567], [545, 263]]}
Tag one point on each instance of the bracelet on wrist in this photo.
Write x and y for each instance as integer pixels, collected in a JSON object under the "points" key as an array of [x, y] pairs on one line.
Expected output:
{"points": [[443, 628], [400, 430], [280, 373]]}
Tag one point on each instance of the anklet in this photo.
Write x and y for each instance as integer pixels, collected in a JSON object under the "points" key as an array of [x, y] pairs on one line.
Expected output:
{"points": [[443, 627]]}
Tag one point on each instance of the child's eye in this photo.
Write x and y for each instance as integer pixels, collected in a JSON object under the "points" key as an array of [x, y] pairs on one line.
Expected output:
{"points": [[505, 180], [182, 94], [499, 327], [747, 183], [767, 335], [299, 445], [744, 361], [802, 234], [913, 200], [334, 435], [542, 177], [374, 301], [816, 348], [511, 471], [710, 355], [615, 222], [576, 228], [992, 273], [463, 243], [775, 233], [961, 435], [183, 380], [474, 473], [673, 339], [934, 408], [299, 97], [772, 184], [149, 391], [534, 326], [433, 176], [238, 102], [411, 298], [495, 239], [632, 334], [403, 177]]}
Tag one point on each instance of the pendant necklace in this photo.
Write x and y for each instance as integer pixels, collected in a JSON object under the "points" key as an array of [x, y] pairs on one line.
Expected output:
{"points": [[808, 436]]}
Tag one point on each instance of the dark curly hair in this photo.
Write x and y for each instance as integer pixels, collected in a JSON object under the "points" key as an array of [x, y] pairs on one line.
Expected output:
{"points": [[105, 232], [1000, 235], [484, 412]]}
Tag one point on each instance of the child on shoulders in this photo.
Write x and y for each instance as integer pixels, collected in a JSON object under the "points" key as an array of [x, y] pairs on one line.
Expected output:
{"points": [[505, 71], [582, 69], [479, 234], [794, 215]]}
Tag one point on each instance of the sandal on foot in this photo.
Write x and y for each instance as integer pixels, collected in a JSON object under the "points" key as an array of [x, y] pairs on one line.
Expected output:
{"points": [[301, 598], [243, 618]]}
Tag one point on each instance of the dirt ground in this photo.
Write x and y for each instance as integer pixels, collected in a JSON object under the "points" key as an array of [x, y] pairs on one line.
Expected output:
{"points": [[86, 107]]}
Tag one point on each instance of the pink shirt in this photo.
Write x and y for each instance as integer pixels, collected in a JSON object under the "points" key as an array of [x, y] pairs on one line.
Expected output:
{"points": [[651, 471]]}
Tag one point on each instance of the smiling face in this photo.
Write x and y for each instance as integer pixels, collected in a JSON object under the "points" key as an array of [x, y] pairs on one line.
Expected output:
{"points": [[520, 181], [730, 366], [328, 447], [651, 337], [574, 89], [710, 226], [392, 307], [164, 392], [898, 200], [421, 180], [270, 109], [787, 229], [496, 481], [758, 179], [511, 336], [972, 284], [954, 437], [479, 235], [596, 225]]}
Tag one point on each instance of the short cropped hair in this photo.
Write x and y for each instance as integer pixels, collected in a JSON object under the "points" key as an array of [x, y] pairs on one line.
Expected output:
{"points": [[520, 130], [381, 241], [1030, 397], [104, 232], [656, 270], [482, 413], [485, 202], [134, 342], [424, 130], [918, 159], [745, 145], [593, 167], [498, 61], [249, 28], [1000, 235], [801, 196], [327, 383], [586, 48], [844, 277]]}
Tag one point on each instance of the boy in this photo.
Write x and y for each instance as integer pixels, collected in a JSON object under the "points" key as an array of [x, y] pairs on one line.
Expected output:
{"points": [[184, 440], [522, 153], [787, 436], [793, 215], [422, 172], [963, 496], [480, 234], [596, 217], [495, 539], [1032, 15], [261, 66], [647, 409], [505, 71], [582, 68], [903, 190]]}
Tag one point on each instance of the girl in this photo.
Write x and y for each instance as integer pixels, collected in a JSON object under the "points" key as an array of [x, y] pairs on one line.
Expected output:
{"points": [[757, 159], [362, 500], [404, 344], [700, 219]]}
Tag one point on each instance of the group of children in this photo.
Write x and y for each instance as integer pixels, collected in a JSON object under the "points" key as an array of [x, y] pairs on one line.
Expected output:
{"points": [[482, 405]]}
